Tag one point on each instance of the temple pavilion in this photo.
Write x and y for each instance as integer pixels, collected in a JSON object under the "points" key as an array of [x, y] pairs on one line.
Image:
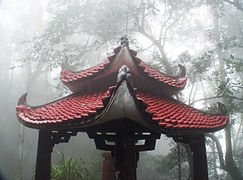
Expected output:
{"points": [[124, 105]]}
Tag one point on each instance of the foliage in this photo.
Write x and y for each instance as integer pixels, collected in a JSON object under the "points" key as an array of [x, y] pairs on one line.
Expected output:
{"points": [[74, 169], [165, 166], [76, 29], [80, 27]]}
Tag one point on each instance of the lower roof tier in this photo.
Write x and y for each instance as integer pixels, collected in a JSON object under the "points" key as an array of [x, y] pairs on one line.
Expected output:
{"points": [[74, 110], [173, 115], [80, 110]]}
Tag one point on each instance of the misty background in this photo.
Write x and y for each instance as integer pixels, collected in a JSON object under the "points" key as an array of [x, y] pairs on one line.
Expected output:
{"points": [[38, 37]]}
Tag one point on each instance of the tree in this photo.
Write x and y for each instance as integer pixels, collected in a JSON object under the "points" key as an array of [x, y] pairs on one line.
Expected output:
{"points": [[226, 48]]}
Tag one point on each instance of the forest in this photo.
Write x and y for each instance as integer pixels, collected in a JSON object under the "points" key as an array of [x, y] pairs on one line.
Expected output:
{"points": [[39, 37]]}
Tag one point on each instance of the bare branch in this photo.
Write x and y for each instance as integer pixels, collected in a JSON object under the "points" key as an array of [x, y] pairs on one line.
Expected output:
{"points": [[143, 15], [216, 97], [190, 95], [172, 24], [165, 23], [237, 5], [241, 87], [164, 59], [237, 135], [146, 48]]}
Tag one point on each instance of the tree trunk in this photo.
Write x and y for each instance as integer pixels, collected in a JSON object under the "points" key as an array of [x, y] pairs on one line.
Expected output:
{"points": [[190, 160], [20, 154], [215, 172], [230, 165], [179, 160], [227, 164]]}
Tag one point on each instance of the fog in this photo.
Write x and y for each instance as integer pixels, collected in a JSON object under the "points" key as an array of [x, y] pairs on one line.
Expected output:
{"points": [[21, 21], [206, 37]]}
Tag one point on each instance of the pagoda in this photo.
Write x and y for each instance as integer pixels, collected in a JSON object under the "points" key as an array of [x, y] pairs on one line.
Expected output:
{"points": [[124, 105]]}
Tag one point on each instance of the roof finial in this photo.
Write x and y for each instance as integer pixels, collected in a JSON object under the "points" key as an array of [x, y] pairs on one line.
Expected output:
{"points": [[124, 40]]}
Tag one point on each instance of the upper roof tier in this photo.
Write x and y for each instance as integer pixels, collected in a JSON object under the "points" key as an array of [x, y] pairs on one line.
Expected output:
{"points": [[144, 77]]}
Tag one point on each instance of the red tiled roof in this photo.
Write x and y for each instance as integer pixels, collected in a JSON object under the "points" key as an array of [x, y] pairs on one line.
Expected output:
{"points": [[143, 68], [68, 76], [71, 110], [83, 107], [79, 109], [174, 115], [161, 77]]}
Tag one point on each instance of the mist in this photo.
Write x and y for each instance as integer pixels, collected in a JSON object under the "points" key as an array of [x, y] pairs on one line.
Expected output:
{"points": [[38, 37]]}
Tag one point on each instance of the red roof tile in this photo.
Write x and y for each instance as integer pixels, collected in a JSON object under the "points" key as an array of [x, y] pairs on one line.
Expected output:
{"points": [[153, 73], [71, 110], [81, 108], [68, 76], [143, 68], [174, 115]]}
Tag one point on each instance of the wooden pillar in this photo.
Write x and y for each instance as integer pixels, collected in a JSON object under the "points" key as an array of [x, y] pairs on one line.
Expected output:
{"points": [[108, 166], [126, 158], [200, 168], [43, 161], [126, 162]]}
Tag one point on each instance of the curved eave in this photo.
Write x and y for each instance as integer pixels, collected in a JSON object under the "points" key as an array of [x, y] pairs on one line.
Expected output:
{"points": [[175, 118], [73, 111], [70, 78], [177, 82]]}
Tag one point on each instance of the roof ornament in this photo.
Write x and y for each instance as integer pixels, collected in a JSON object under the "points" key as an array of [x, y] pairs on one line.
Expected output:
{"points": [[124, 74], [22, 100], [221, 109], [183, 70], [124, 40]]}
